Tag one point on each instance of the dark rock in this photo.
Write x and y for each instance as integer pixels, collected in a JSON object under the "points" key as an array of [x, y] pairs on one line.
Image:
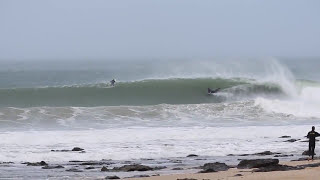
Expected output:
{"points": [[292, 140], [159, 167], [243, 155], [256, 163], [187, 179], [126, 162], [276, 167], [147, 159], [214, 167], [77, 149], [285, 137], [309, 165], [283, 155], [42, 163], [74, 170], [75, 161], [264, 153], [63, 150], [92, 163], [140, 176], [52, 167], [176, 169], [156, 175], [6, 162], [192, 155], [112, 177], [306, 153], [238, 175], [105, 169], [90, 167], [134, 167]]}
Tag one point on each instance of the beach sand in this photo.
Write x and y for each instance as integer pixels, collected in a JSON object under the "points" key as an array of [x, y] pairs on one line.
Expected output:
{"points": [[308, 173]]}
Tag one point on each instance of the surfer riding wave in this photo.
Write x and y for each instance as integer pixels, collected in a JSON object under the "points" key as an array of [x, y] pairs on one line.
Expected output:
{"points": [[210, 91]]}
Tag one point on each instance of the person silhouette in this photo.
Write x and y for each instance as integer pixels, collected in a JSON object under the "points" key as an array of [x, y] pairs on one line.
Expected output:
{"points": [[112, 82], [210, 91], [312, 141]]}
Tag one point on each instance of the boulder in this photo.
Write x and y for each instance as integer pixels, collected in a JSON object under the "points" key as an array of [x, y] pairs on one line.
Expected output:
{"points": [[292, 140], [264, 153], [74, 170], [63, 150], [105, 169], [192, 155], [76, 161], [214, 167], [256, 163], [7, 162], [177, 169], [285, 137], [309, 165], [92, 163], [112, 177], [134, 167], [283, 155], [140, 176], [306, 153], [159, 167], [276, 167], [42, 163], [52, 167], [77, 149]]}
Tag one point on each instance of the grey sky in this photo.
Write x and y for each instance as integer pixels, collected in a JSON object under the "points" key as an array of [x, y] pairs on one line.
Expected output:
{"points": [[78, 29]]}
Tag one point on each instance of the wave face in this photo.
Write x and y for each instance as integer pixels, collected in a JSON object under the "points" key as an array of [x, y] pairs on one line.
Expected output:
{"points": [[165, 94], [147, 92]]}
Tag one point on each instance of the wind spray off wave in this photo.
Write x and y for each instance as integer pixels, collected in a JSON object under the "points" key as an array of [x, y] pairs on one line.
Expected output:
{"points": [[252, 93]]}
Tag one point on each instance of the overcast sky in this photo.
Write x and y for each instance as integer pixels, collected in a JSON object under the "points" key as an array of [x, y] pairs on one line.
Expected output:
{"points": [[102, 29]]}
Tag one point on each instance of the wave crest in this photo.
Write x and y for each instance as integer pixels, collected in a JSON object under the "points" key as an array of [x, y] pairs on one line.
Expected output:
{"points": [[146, 92]]}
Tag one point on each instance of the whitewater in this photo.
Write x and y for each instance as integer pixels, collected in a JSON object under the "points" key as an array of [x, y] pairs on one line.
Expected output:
{"points": [[157, 109]]}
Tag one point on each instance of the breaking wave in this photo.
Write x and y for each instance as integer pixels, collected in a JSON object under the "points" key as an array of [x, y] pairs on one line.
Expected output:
{"points": [[146, 92]]}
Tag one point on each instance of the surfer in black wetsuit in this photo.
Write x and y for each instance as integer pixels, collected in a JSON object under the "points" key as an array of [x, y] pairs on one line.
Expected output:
{"points": [[210, 91], [112, 82], [312, 141]]}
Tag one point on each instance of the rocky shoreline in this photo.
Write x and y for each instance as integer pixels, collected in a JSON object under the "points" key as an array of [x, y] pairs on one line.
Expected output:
{"points": [[113, 169]]}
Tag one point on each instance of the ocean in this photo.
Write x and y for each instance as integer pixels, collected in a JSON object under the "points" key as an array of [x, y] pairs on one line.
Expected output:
{"points": [[157, 109]]}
